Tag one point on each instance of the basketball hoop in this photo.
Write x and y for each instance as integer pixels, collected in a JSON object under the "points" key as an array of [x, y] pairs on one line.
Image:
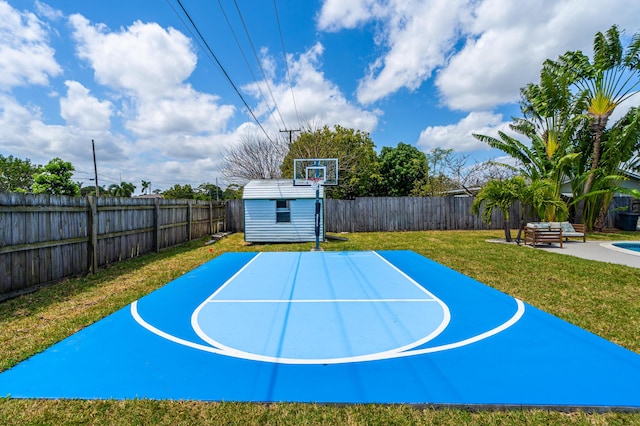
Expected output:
{"points": [[315, 182]]}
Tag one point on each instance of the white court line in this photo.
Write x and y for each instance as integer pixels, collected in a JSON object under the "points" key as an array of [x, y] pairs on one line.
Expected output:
{"points": [[395, 353], [170, 337], [514, 319], [319, 300], [446, 318]]}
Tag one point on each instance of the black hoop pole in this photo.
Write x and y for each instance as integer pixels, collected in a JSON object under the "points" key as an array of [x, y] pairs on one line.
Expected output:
{"points": [[318, 218]]}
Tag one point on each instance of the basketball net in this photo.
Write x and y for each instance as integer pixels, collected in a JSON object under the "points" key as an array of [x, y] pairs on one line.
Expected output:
{"points": [[315, 182]]}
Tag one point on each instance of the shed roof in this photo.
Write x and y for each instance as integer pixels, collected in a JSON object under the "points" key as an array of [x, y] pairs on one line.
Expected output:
{"points": [[277, 188]]}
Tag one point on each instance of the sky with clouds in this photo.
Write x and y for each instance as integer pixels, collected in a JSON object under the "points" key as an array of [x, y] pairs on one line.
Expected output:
{"points": [[163, 99]]}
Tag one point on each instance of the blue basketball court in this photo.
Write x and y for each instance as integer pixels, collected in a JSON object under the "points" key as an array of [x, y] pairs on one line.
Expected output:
{"points": [[333, 327]]}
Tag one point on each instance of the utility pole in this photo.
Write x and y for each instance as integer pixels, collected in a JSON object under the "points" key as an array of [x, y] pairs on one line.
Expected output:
{"points": [[290, 134], [95, 167]]}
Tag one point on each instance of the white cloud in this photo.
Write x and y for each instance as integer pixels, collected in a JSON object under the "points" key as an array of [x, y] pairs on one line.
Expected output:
{"points": [[143, 59], [25, 56], [418, 35], [26, 133], [317, 100], [459, 136], [504, 42], [338, 14], [47, 11], [415, 35], [183, 111], [147, 67], [80, 109], [505, 48]]}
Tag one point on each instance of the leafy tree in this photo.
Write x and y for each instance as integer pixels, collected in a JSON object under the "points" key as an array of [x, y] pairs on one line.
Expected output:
{"points": [[498, 195], [540, 196], [611, 78], [567, 129], [502, 194], [354, 149], [233, 192], [402, 170], [552, 117], [124, 189], [55, 178], [16, 175], [91, 190], [177, 191], [210, 191], [620, 152]]}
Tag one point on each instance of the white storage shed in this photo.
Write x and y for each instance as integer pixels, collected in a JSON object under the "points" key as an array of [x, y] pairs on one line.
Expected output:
{"points": [[277, 211]]}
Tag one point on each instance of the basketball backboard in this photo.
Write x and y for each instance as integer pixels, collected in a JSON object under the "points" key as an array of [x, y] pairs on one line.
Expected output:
{"points": [[308, 170]]}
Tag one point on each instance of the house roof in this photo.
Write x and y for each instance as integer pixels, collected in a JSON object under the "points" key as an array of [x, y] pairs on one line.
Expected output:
{"points": [[277, 189]]}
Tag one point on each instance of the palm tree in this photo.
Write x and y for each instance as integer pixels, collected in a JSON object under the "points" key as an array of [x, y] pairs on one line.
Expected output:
{"points": [[538, 195], [146, 186], [551, 119], [612, 78], [620, 152], [498, 195], [125, 189], [541, 197]]}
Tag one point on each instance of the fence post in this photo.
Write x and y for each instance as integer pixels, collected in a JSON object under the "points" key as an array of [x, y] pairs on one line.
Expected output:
{"points": [[93, 234], [156, 224], [189, 212], [211, 217]]}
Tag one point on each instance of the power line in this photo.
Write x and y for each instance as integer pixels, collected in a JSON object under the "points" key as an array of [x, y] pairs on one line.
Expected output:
{"points": [[286, 62], [255, 53], [219, 64], [233, 33]]}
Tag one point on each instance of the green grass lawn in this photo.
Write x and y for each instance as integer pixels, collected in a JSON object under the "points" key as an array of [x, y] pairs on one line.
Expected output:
{"points": [[603, 298]]}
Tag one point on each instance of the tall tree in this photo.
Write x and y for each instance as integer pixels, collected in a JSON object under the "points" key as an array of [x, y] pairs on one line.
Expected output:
{"points": [[124, 189], [209, 191], [354, 149], [16, 175], [55, 179], [500, 195], [402, 169], [254, 157], [180, 192], [449, 171], [91, 190], [620, 153], [611, 78], [551, 119], [146, 186]]}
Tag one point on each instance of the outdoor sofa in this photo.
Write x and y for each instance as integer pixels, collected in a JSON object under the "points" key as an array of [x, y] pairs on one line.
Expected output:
{"points": [[552, 232]]}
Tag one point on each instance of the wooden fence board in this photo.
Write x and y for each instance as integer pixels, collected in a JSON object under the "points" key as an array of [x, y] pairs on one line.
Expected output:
{"points": [[45, 238], [425, 213]]}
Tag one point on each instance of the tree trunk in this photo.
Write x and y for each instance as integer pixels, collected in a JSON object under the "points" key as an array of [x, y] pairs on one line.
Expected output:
{"points": [[595, 162], [507, 231]]}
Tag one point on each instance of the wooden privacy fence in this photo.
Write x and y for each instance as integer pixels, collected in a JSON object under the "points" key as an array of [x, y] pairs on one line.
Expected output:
{"points": [[376, 214], [45, 238], [382, 214]]}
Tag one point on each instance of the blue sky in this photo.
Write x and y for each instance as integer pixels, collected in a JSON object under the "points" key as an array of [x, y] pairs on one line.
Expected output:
{"points": [[135, 78]]}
